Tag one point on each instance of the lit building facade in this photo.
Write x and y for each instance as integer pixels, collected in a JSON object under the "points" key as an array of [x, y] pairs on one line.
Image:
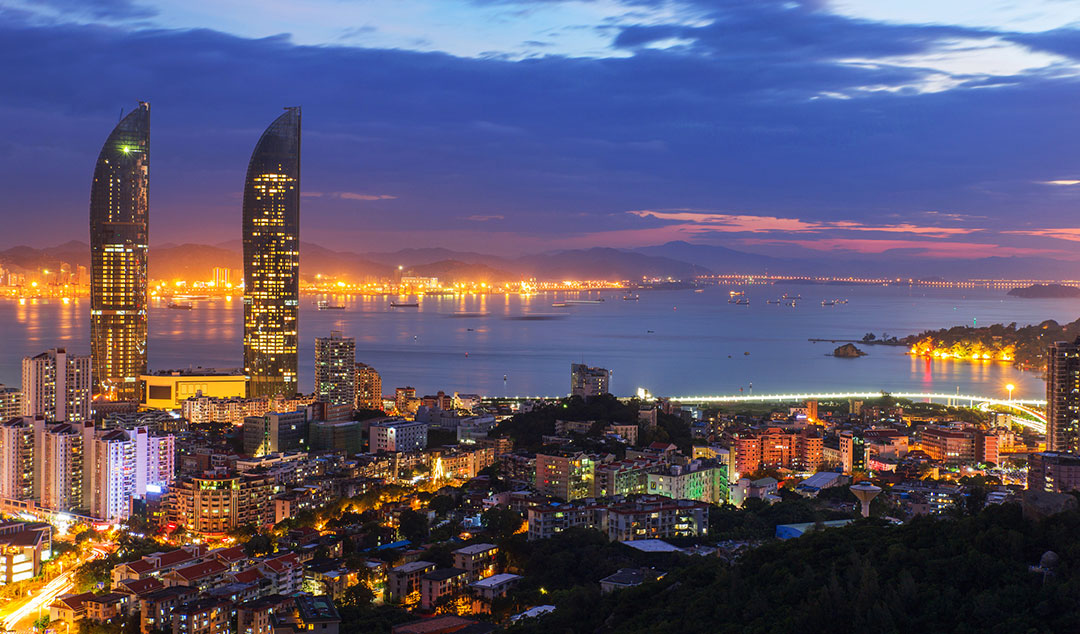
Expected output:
{"points": [[10, 402], [168, 389], [398, 435], [335, 369], [1063, 398], [56, 386], [119, 235], [59, 466], [567, 476], [276, 432], [271, 231], [112, 457], [587, 382], [17, 459], [368, 387]]}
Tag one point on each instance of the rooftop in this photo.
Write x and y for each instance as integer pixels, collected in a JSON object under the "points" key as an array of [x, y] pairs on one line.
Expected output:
{"points": [[475, 549], [444, 573], [495, 580]]}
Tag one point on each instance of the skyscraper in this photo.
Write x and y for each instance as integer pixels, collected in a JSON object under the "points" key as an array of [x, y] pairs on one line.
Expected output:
{"points": [[1063, 397], [272, 258], [56, 386], [119, 214], [335, 369], [368, 387]]}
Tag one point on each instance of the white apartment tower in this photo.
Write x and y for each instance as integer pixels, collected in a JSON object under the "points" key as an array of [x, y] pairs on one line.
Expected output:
{"points": [[56, 386]]}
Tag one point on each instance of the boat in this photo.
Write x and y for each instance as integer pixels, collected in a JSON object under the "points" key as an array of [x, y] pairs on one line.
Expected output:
{"points": [[325, 305], [404, 304], [742, 301], [786, 296], [631, 298], [772, 301], [841, 301], [699, 290], [585, 301], [181, 305], [191, 296], [559, 305], [733, 296], [828, 302]]}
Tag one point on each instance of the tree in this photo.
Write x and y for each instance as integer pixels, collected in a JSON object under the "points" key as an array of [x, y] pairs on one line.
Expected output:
{"points": [[412, 526], [357, 596], [501, 522], [259, 545], [442, 504]]}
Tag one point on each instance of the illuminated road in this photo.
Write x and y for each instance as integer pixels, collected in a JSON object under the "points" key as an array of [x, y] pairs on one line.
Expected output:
{"points": [[63, 584]]}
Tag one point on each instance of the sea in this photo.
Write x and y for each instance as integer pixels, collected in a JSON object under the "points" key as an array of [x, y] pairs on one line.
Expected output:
{"points": [[670, 342]]}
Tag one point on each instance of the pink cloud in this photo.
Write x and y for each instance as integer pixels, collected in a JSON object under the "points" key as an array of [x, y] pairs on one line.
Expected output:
{"points": [[699, 222], [934, 249]]}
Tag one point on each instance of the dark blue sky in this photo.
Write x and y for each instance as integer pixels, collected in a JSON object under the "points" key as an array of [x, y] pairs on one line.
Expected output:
{"points": [[512, 126]]}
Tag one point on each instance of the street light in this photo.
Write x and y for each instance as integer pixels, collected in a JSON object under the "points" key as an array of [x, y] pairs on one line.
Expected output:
{"points": [[1010, 387]]}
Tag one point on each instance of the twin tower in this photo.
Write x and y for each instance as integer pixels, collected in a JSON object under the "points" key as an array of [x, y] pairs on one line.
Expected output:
{"points": [[119, 239]]}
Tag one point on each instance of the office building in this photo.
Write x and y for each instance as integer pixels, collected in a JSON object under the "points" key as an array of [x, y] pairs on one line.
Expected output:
{"points": [[587, 382], [119, 237], [344, 436], [1063, 398], [168, 389], [56, 386], [276, 432], [17, 459], [368, 388], [10, 402], [271, 234], [335, 369], [398, 435]]}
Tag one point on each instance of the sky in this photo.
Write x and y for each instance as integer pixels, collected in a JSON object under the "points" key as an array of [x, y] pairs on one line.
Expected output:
{"points": [[796, 128]]}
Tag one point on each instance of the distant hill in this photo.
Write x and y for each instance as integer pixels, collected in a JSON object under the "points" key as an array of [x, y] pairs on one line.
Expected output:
{"points": [[607, 264]]}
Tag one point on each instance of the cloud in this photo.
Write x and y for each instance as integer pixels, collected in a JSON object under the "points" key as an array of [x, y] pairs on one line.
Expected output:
{"points": [[484, 218], [935, 249], [356, 196], [706, 222], [101, 9], [1062, 183]]}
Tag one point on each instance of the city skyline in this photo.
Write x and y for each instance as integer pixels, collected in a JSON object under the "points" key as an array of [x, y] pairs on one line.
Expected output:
{"points": [[860, 143]]}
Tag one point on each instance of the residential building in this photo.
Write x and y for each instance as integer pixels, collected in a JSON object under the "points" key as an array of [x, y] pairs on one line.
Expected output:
{"points": [[1063, 398], [256, 616], [17, 458], [23, 548], [10, 402], [206, 615], [405, 400], [271, 235], [103, 608], [56, 386], [778, 448], [477, 560], [335, 369], [368, 387], [119, 239], [1053, 471], [311, 614], [566, 475], [214, 505], [168, 389], [701, 480], [156, 608], [403, 582], [657, 519], [623, 477], [494, 587], [588, 382], [439, 586], [628, 578], [206, 409], [397, 435], [58, 466], [112, 457]]}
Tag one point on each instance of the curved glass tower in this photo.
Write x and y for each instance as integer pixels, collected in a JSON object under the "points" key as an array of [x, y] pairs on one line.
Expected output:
{"points": [[119, 214], [272, 258]]}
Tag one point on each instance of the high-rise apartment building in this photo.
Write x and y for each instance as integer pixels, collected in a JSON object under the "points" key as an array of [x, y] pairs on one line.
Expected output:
{"points": [[587, 382], [17, 459], [271, 229], [58, 465], [335, 369], [1063, 398], [56, 386], [119, 237], [368, 387], [10, 402], [112, 458]]}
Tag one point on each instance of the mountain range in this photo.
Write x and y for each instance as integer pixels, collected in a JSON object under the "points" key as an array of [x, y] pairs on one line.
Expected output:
{"points": [[677, 260]]}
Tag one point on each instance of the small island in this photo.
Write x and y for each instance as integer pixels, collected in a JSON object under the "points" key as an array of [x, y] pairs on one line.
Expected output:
{"points": [[848, 351], [1044, 291]]}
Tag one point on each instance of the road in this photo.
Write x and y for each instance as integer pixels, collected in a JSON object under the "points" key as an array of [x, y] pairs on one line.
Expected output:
{"points": [[20, 615]]}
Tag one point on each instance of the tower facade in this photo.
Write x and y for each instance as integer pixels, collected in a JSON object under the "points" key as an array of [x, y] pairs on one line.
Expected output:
{"points": [[335, 369], [1063, 397], [272, 259], [56, 386], [368, 387], [119, 235]]}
